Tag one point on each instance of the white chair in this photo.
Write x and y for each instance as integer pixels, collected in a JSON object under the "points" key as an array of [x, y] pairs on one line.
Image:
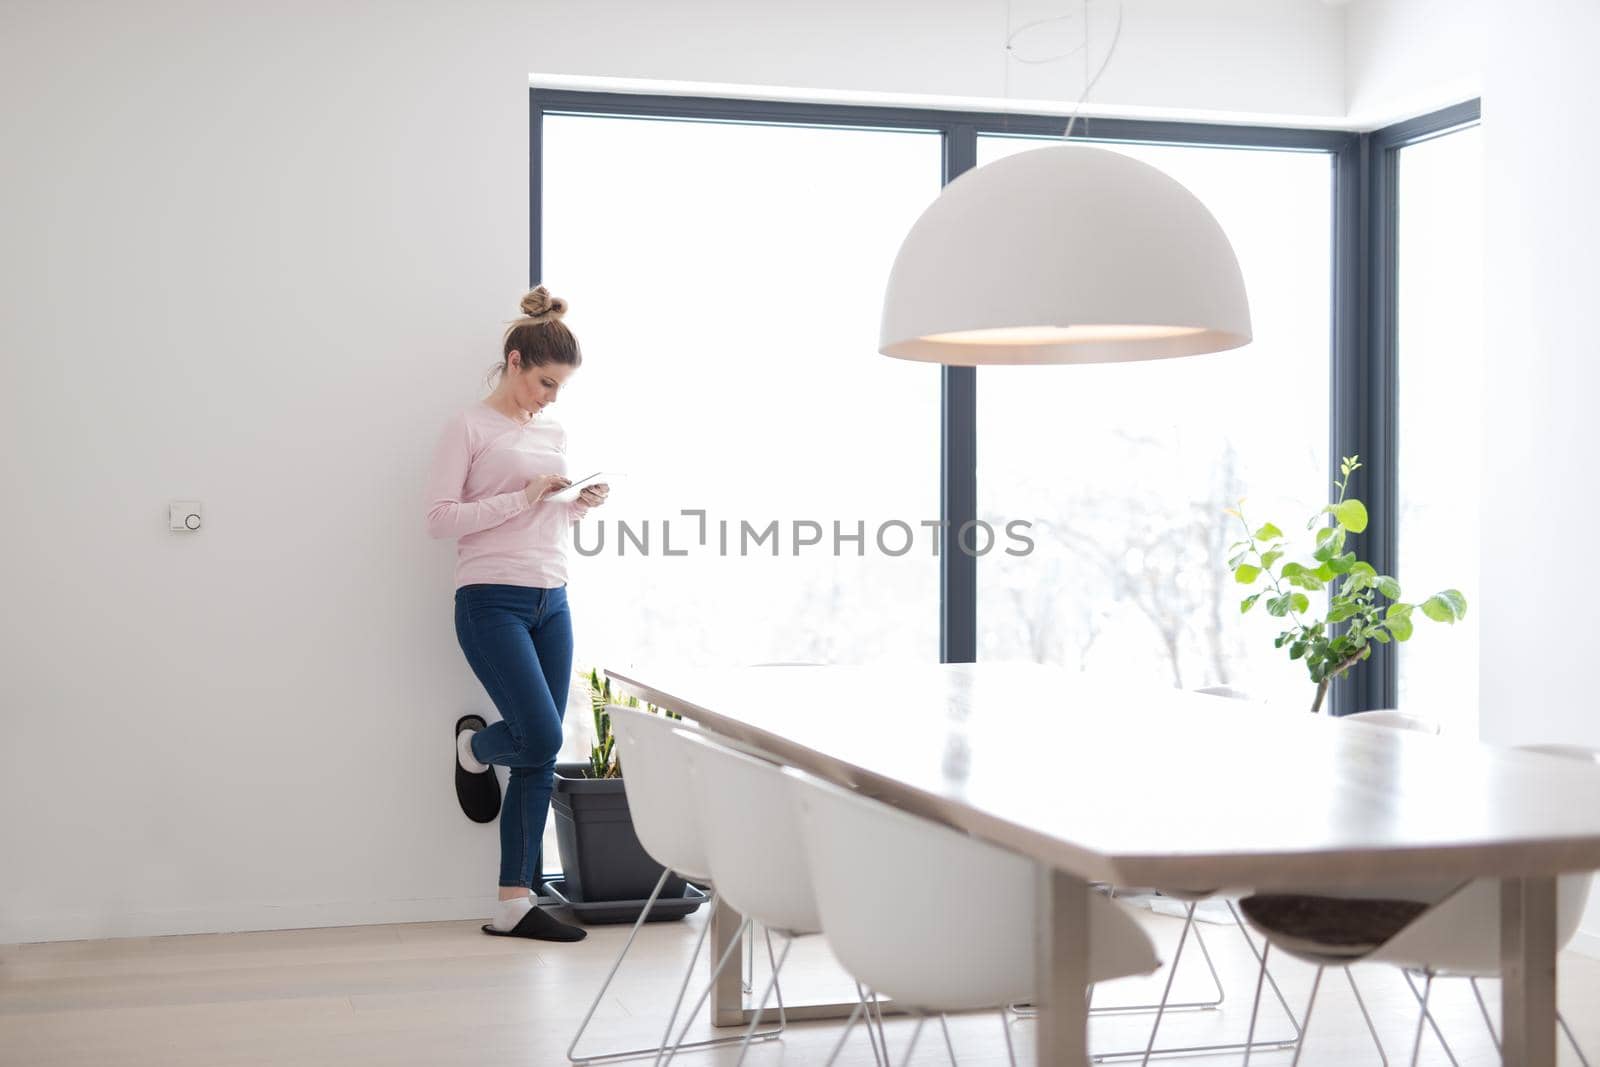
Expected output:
{"points": [[750, 834], [882, 883], [651, 750], [1397, 720], [1453, 934]]}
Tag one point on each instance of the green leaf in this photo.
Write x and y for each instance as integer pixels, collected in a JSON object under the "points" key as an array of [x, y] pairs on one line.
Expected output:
{"points": [[1300, 602], [1449, 606], [1236, 560], [1246, 573], [1342, 564], [1268, 532], [1248, 602], [1306, 580], [1389, 587], [1330, 547], [1400, 626], [1380, 637], [1297, 650], [1292, 569], [1278, 606], [1325, 533], [1352, 515], [1341, 611], [1270, 558], [1325, 573], [1363, 569]]}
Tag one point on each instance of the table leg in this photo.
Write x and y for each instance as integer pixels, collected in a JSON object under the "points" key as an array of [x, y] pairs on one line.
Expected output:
{"points": [[1528, 970], [727, 999], [1062, 964]]}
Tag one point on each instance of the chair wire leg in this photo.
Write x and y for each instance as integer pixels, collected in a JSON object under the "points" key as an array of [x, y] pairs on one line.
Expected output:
{"points": [[783, 1016], [1483, 1009], [1416, 1042], [872, 1036], [683, 989], [1562, 1020], [944, 1024], [716, 972], [748, 974], [1255, 1005], [911, 1046], [616, 964], [849, 1024], [1200, 942], [1261, 956], [1191, 925], [1166, 991], [1428, 1017], [755, 1020], [1149, 1053], [1350, 975], [876, 1008], [1305, 1020], [1005, 1026]]}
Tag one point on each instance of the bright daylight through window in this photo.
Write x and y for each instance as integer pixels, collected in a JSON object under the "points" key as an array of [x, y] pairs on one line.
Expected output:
{"points": [[726, 281], [1126, 469], [1439, 352]]}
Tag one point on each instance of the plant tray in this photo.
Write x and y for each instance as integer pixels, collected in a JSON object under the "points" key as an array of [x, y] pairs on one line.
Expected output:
{"points": [[626, 911]]}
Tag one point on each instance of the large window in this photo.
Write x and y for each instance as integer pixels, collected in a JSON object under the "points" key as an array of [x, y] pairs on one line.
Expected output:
{"points": [[726, 281], [1439, 358], [1127, 469], [725, 261]]}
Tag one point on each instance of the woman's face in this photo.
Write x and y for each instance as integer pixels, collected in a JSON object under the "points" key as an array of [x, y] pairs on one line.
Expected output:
{"points": [[537, 386]]}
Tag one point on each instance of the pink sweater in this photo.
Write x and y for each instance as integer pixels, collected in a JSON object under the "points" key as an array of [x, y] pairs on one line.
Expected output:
{"points": [[481, 465]]}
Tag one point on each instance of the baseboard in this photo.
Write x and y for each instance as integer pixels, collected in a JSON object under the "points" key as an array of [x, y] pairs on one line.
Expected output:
{"points": [[1586, 943], [75, 926]]}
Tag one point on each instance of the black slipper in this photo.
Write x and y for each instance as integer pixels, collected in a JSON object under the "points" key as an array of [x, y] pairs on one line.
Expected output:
{"points": [[478, 792], [540, 927]]}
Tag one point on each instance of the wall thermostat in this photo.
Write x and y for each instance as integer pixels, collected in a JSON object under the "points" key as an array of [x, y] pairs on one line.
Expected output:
{"points": [[184, 515]]}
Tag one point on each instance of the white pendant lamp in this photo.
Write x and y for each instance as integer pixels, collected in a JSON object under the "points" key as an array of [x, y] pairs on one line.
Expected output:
{"points": [[1065, 254]]}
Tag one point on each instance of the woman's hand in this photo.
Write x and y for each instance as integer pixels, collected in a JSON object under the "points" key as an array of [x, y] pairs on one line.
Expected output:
{"points": [[544, 485], [595, 495]]}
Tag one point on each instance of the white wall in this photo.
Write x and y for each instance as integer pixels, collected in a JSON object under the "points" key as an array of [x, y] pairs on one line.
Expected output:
{"points": [[1542, 437], [1410, 57], [1223, 60], [253, 260], [252, 255]]}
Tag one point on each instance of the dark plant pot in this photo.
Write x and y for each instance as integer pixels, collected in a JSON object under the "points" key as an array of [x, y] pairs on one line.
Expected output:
{"points": [[601, 858]]}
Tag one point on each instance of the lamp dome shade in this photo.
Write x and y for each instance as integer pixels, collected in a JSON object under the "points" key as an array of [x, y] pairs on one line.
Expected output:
{"points": [[1065, 254]]}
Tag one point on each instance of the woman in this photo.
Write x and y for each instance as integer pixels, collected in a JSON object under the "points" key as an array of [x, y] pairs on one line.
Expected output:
{"points": [[495, 464]]}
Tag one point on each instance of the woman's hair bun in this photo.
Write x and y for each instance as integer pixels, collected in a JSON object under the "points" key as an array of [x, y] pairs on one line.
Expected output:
{"points": [[539, 306]]}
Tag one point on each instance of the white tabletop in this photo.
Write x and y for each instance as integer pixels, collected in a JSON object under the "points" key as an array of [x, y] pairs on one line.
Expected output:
{"points": [[1140, 785]]}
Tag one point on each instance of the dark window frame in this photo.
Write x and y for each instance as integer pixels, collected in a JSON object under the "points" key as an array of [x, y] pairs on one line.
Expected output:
{"points": [[1362, 350], [1368, 424]]}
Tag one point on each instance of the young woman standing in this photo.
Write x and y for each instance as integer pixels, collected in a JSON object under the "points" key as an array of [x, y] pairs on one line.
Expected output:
{"points": [[494, 467]]}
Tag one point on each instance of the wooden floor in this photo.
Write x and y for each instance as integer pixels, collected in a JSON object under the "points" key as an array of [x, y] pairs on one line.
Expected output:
{"points": [[443, 993]]}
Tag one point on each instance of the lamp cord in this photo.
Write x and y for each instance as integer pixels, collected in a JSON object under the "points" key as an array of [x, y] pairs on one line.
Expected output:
{"points": [[1088, 82]]}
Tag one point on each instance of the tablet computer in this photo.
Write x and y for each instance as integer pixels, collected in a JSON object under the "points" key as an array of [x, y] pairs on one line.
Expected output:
{"points": [[570, 493]]}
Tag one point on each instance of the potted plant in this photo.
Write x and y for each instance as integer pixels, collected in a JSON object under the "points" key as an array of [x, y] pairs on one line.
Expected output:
{"points": [[1364, 607], [607, 875]]}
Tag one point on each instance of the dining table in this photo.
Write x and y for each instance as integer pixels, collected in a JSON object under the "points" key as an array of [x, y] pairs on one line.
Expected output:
{"points": [[1125, 781]]}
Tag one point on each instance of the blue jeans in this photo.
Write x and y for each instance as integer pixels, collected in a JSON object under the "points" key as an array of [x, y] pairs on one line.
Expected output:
{"points": [[518, 641]]}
